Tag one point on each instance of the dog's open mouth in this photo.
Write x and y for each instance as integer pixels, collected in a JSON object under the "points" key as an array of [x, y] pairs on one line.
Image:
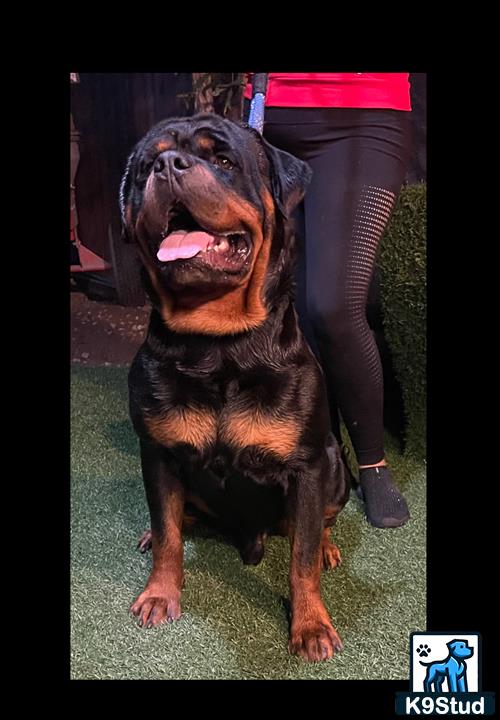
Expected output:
{"points": [[185, 239]]}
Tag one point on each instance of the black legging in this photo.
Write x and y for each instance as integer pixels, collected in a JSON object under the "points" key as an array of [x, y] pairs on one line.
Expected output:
{"points": [[359, 159]]}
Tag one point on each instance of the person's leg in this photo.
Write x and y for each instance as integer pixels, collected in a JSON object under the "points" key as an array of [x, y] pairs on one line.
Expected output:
{"points": [[290, 130], [305, 321], [355, 186], [358, 165]]}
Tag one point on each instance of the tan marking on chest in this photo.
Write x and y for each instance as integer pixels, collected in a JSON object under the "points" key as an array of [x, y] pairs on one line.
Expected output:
{"points": [[252, 427], [194, 426]]}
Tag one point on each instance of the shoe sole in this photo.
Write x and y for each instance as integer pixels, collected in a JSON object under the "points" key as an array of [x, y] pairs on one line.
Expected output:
{"points": [[390, 522]]}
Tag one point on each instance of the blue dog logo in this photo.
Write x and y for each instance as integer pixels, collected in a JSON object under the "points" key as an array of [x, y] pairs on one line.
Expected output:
{"points": [[453, 669]]}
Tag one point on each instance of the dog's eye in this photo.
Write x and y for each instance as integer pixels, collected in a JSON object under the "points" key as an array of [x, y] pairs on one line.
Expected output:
{"points": [[223, 162]]}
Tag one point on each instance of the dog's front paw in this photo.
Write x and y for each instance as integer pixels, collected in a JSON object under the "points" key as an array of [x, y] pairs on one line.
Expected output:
{"points": [[153, 607], [315, 641]]}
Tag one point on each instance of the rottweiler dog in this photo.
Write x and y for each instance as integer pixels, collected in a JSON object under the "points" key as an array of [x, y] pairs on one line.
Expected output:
{"points": [[227, 399]]}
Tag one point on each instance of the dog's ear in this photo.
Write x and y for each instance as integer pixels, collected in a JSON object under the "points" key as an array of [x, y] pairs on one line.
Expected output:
{"points": [[289, 177]]}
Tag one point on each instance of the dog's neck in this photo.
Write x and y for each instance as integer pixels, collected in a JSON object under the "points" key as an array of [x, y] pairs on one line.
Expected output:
{"points": [[278, 335]]}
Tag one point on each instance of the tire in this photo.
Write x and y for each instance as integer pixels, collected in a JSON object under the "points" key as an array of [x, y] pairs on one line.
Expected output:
{"points": [[126, 271]]}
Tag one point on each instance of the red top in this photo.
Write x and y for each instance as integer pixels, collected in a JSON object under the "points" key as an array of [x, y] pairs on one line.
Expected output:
{"points": [[352, 90]]}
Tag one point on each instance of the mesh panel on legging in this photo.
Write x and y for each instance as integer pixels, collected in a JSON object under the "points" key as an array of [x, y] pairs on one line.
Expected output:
{"points": [[345, 342], [372, 214]]}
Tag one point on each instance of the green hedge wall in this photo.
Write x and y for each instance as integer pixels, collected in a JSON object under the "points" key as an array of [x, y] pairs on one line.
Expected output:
{"points": [[402, 266]]}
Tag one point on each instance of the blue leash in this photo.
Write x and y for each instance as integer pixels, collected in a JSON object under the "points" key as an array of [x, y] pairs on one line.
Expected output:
{"points": [[259, 87]]}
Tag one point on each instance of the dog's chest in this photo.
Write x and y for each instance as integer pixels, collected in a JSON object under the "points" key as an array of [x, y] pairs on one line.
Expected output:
{"points": [[251, 411]]}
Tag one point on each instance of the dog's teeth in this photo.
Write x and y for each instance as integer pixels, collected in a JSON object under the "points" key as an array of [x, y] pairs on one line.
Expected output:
{"points": [[222, 246]]}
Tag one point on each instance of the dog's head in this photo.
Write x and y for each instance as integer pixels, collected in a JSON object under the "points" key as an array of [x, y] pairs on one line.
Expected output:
{"points": [[208, 202], [459, 649]]}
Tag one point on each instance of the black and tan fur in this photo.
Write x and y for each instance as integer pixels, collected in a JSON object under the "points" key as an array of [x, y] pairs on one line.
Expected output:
{"points": [[227, 399]]}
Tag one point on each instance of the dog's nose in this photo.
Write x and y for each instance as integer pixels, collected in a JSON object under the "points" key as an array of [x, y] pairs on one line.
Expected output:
{"points": [[172, 161]]}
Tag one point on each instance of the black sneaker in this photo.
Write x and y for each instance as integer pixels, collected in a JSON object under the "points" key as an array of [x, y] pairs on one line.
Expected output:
{"points": [[385, 507]]}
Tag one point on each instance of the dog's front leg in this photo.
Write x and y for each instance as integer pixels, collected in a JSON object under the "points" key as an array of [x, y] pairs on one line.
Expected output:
{"points": [[312, 634], [160, 600]]}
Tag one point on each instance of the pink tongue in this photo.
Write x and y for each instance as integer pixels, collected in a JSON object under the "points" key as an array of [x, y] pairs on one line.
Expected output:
{"points": [[183, 244]]}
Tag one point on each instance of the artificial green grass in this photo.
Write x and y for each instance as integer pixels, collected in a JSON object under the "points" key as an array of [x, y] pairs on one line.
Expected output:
{"points": [[234, 623]]}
